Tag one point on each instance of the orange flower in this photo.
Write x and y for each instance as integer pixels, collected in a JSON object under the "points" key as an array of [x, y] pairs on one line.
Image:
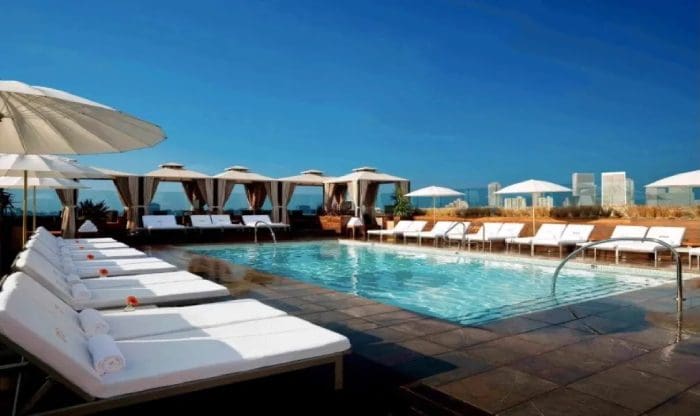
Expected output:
{"points": [[90, 256], [132, 301], [103, 272]]}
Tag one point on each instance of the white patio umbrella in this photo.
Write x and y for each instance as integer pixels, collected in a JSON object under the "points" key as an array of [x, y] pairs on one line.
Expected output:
{"points": [[434, 192], [17, 182], [41, 166], [691, 178], [41, 120], [534, 187]]}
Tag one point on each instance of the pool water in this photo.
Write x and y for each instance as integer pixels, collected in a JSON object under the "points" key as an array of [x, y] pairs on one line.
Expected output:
{"points": [[460, 289]]}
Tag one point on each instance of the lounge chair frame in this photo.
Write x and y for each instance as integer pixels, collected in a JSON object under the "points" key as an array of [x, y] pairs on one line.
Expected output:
{"points": [[92, 404]]}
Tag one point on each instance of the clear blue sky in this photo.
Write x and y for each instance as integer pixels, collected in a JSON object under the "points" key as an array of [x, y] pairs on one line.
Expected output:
{"points": [[456, 93]]}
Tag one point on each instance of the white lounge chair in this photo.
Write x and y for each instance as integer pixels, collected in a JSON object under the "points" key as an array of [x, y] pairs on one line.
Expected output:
{"points": [[547, 233], [620, 231], [486, 231], [202, 221], [224, 221], [143, 322], [162, 365], [507, 231], [458, 231], [400, 228], [572, 235], [97, 297], [36, 265], [250, 221], [42, 230], [94, 268], [161, 222], [58, 244], [438, 231], [84, 253], [670, 235]]}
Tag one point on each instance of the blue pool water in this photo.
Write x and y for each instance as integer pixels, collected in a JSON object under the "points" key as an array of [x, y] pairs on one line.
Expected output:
{"points": [[457, 288]]}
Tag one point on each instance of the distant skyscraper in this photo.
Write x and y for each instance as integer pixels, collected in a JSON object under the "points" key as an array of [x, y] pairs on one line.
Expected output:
{"points": [[614, 188], [583, 188], [630, 191], [494, 198], [545, 202], [515, 203], [673, 196]]}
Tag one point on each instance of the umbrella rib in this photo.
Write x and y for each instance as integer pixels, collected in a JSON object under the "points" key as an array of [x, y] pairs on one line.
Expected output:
{"points": [[30, 104], [33, 109]]}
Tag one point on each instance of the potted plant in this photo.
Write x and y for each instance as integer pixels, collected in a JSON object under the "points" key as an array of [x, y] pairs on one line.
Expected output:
{"points": [[402, 206], [97, 212]]}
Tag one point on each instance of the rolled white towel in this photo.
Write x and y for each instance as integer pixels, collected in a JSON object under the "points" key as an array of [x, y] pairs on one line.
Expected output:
{"points": [[92, 322], [106, 357], [72, 278], [80, 292]]}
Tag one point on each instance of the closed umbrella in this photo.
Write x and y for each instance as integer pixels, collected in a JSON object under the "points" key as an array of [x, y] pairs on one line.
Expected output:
{"points": [[434, 192], [16, 182], [534, 187], [42, 166]]}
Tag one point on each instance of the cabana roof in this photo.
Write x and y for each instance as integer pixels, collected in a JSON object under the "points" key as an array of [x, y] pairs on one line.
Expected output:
{"points": [[114, 173], [242, 174], [308, 177], [175, 172], [366, 173]]}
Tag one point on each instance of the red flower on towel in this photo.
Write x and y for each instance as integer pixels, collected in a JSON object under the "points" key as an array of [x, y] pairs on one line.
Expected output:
{"points": [[80, 247], [103, 272], [90, 256], [132, 301]]}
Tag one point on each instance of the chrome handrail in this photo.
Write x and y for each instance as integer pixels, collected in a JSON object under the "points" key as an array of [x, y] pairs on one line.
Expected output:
{"points": [[464, 233], [272, 232], [676, 259]]}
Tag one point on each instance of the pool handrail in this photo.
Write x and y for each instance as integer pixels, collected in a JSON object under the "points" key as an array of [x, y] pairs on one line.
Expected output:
{"points": [[269, 227]]}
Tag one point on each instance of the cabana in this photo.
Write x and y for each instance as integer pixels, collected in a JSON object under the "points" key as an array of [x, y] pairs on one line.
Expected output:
{"points": [[289, 184], [362, 187], [257, 187], [194, 183]]}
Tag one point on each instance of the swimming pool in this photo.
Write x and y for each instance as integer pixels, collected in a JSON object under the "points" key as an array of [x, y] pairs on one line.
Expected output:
{"points": [[455, 287]]}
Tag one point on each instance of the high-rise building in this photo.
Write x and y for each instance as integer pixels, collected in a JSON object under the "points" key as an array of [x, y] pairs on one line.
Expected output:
{"points": [[583, 188], [672, 196], [515, 203], [614, 188], [495, 200], [630, 191], [545, 202]]}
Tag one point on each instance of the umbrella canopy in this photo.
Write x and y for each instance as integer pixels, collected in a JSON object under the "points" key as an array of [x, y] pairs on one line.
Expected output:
{"points": [[534, 187], [434, 192], [242, 174], [308, 177], [41, 166], [40, 120], [691, 179], [17, 182], [175, 172], [45, 166]]}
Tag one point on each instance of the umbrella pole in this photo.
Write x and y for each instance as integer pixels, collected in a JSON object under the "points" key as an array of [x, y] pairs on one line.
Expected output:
{"points": [[533, 214], [434, 213], [24, 211], [34, 208]]}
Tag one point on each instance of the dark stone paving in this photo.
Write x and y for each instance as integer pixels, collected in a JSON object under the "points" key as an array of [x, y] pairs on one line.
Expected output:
{"points": [[621, 355]]}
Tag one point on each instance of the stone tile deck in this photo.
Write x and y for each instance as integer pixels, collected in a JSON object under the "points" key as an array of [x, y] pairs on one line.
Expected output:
{"points": [[618, 355]]}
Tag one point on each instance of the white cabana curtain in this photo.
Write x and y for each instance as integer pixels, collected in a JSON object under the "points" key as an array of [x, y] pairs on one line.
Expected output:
{"points": [[194, 196], [287, 192], [353, 196], [224, 188], [150, 185], [206, 190], [255, 193], [271, 188], [127, 189], [68, 199]]}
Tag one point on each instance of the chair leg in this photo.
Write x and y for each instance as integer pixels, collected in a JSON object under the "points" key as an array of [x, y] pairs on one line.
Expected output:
{"points": [[338, 374], [656, 259]]}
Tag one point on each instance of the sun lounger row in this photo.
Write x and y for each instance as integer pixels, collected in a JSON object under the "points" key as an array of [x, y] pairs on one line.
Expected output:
{"points": [[554, 235], [49, 314], [203, 222], [672, 236]]}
